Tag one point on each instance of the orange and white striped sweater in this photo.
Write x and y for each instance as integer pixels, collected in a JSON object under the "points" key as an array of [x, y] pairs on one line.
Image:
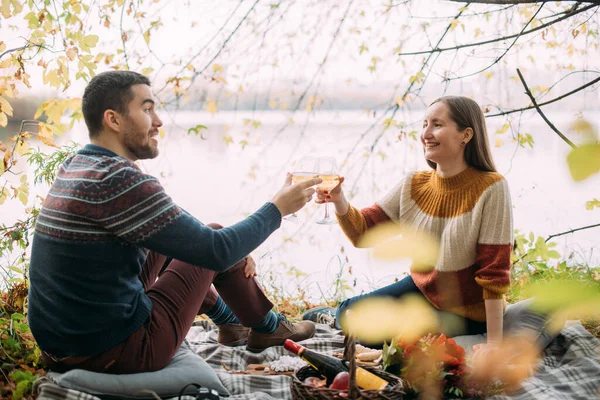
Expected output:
{"points": [[471, 215]]}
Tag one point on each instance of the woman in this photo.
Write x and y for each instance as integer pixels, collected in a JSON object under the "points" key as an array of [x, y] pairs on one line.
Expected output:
{"points": [[464, 203]]}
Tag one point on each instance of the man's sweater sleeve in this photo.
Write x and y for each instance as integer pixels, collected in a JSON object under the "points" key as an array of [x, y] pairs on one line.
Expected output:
{"points": [[187, 239], [138, 211]]}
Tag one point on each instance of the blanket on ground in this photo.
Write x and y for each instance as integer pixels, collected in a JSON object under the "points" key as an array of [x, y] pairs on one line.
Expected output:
{"points": [[569, 368]]}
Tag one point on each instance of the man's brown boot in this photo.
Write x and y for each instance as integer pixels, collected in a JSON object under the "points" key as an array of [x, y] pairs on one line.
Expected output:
{"points": [[257, 341], [232, 334]]}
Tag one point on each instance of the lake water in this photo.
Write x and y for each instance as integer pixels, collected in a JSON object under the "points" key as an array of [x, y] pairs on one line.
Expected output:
{"points": [[220, 182]]}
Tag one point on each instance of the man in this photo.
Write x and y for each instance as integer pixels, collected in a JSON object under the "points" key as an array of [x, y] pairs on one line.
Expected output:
{"points": [[103, 295]]}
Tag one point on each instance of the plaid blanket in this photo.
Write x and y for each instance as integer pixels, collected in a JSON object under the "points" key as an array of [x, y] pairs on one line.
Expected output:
{"points": [[569, 369]]}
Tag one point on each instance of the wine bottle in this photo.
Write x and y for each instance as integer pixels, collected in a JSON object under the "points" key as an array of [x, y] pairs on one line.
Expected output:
{"points": [[330, 366]]}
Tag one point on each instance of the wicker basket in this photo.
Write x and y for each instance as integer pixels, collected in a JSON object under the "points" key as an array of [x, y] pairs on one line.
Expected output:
{"points": [[302, 391]]}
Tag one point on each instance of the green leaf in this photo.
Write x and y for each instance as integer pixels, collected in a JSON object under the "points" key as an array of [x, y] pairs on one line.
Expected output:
{"points": [[584, 161], [561, 293], [17, 317], [503, 128], [15, 269]]}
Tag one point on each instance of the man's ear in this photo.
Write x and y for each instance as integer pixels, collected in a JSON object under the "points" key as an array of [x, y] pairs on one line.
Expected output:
{"points": [[112, 120], [468, 135]]}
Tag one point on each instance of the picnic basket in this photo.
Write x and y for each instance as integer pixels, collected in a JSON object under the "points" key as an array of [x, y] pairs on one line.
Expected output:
{"points": [[302, 391]]}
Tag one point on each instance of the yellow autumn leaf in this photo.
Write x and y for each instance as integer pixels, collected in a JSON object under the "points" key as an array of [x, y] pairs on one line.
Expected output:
{"points": [[2, 46], [147, 36], [584, 161], [489, 75], [453, 24], [227, 139], [22, 148], [217, 68], [272, 104], [584, 128], [89, 42], [2, 146], [3, 194], [398, 100], [391, 242], [71, 53], [499, 142], [503, 128], [5, 107], [161, 133], [377, 319], [3, 120], [24, 190], [211, 107], [45, 135]]}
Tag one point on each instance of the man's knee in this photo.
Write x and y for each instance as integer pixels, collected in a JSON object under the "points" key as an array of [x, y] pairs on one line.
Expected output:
{"points": [[214, 225]]}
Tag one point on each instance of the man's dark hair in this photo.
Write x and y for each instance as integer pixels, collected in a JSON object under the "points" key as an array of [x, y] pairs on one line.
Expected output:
{"points": [[109, 90]]}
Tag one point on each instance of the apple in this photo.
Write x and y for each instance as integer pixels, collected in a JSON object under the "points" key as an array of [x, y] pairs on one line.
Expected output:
{"points": [[341, 381]]}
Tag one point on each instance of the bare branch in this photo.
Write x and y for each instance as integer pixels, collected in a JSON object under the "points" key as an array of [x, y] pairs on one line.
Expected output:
{"points": [[519, 1], [571, 231], [317, 72], [497, 60], [574, 11], [27, 46], [580, 88], [396, 107], [537, 107], [222, 46]]}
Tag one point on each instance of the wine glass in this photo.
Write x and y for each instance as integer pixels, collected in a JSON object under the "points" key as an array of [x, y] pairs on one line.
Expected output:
{"points": [[328, 171], [304, 169]]}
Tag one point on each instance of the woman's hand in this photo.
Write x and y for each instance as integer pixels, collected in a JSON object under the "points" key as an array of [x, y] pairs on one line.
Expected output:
{"points": [[334, 196], [250, 268]]}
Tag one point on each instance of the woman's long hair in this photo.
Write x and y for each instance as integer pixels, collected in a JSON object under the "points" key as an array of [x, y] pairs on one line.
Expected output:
{"points": [[466, 113]]}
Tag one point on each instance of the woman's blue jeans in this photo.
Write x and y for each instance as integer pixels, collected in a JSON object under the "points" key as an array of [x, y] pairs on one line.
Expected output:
{"points": [[451, 324]]}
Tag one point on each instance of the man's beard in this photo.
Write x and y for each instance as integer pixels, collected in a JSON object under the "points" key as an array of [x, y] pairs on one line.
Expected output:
{"points": [[141, 152]]}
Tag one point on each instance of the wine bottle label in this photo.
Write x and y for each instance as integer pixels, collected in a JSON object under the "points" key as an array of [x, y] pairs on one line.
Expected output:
{"points": [[369, 381]]}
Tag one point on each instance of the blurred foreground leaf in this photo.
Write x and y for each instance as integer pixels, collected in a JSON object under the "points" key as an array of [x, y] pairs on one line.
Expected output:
{"points": [[391, 241], [584, 161], [374, 320]]}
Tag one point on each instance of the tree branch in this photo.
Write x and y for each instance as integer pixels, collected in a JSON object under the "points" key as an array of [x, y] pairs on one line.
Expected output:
{"points": [[574, 11], [519, 1], [572, 231], [222, 47], [27, 46], [497, 60], [580, 88], [312, 80], [397, 107], [537, 107]]}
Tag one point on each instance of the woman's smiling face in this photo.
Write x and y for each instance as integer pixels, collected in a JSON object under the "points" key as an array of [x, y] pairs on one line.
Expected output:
{"points": [[440, 136]]}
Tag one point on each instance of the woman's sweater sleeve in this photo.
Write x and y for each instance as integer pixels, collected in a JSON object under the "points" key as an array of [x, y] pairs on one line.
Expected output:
{"points": [[356, 222], [495, 243]]}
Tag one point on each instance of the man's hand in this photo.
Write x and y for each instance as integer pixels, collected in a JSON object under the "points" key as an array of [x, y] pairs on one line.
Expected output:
{"points": [[250, 268], [291, 198]]}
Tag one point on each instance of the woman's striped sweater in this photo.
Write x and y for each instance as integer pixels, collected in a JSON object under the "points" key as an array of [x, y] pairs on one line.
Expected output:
{"points": [[470, 214]]}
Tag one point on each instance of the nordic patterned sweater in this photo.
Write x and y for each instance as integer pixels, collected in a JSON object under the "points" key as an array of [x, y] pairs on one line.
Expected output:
{"points": [[470, 213], [92, 236]]}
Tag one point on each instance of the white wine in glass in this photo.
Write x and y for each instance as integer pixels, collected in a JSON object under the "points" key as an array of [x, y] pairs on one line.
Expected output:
{"points": [[328, 171], [304, 169]]}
